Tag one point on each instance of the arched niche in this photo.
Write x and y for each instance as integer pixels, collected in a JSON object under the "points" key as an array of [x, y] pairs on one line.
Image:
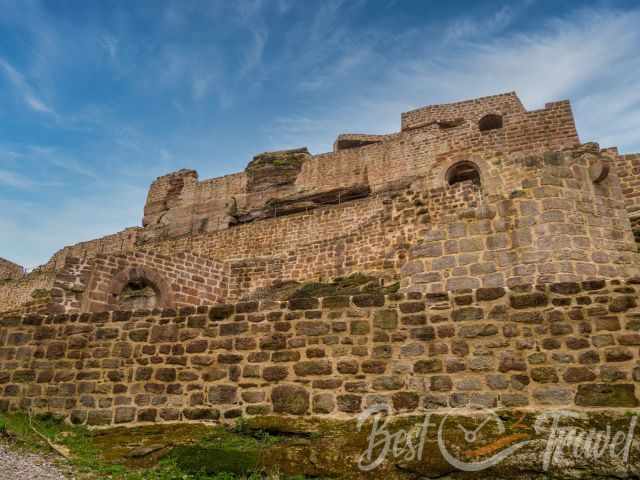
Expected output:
{"points": [[463, 171], [139, 288]]}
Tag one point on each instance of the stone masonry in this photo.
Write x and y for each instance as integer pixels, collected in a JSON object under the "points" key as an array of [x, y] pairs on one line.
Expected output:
{"points": [[10, 271], [556, 345]]}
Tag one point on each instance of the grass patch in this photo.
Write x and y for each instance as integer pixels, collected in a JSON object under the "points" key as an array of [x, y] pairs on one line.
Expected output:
{"points": [[351, 285], [40, 293], [194, 452], [354, 284]]}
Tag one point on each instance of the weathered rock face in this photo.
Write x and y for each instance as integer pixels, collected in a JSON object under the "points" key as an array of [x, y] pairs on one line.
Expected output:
{"points": [[271, 191], [273, 170], [297, 203]]}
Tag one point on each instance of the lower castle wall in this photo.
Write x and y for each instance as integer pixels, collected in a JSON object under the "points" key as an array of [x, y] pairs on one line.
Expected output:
{"points": [[550, 346]]}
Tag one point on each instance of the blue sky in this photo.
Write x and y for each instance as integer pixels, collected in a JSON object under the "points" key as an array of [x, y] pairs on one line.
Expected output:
{"points": [[99, 98]]}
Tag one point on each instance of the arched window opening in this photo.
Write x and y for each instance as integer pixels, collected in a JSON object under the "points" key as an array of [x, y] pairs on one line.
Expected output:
{"points": [[490, 122], [463, 172], [138, 295]]}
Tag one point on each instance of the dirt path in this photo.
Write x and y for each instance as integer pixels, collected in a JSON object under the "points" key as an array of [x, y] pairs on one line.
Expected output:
{"points": [[20, 465]]}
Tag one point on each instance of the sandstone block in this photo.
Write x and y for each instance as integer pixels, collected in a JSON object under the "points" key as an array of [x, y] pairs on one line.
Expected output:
{"points": [[124, 414], [606, 395], [578, 374], [223, 394], [323, 403], [164, 334], [312, 328], [553, 395], [313, 367], [432, 365], [405, 401], [349, 403], [529, 300], [291, 399], [369, 300], [467, 313]]}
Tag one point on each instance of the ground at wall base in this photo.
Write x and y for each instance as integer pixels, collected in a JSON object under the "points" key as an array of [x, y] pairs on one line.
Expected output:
{"points": [[283, 448]]}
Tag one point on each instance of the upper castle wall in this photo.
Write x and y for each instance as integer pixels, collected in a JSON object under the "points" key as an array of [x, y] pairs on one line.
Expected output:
{"points": [[565, 222], [178, 204]]}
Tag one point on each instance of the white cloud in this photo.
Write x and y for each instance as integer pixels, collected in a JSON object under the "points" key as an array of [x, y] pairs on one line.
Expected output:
{"points": [[253, 56], [63, 161]]}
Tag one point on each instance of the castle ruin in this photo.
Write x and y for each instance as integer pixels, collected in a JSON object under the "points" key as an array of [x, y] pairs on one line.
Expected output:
{"points": [[499, 253]]}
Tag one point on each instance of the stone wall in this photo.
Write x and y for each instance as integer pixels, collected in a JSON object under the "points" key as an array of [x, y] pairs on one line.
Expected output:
{"points": [[29, 292], [179, 206], [10, 270], [181, 280], [560, 225], [628, 169], [118, 243], [550, 346], [555, 224]]}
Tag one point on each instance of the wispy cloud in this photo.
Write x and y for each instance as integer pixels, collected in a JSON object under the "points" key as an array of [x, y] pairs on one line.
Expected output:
{"points": [[20, 84], [253, 55], [18, 181], [63, 161], [467, 28], [15, 180]]}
